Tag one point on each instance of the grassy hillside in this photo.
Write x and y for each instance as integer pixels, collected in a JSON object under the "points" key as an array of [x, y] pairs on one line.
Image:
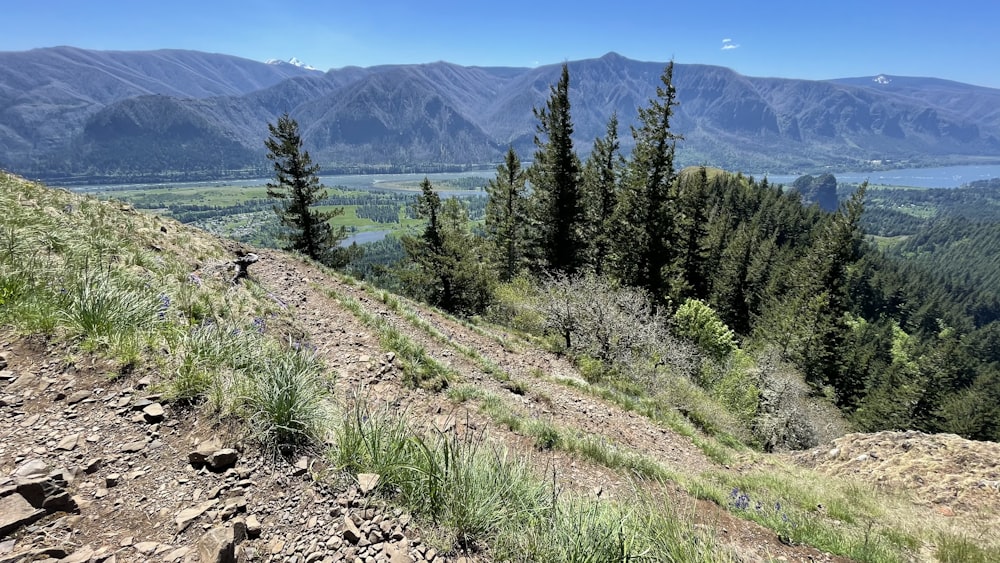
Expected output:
{"points": [[500, 449]]}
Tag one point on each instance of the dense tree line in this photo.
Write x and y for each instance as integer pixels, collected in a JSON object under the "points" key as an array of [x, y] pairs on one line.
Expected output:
{"points": [[891, 344]]}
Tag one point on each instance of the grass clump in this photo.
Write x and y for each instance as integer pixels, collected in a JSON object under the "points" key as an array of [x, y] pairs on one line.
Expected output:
{"points": [[284, 403], [952, 548], [476, 495]]}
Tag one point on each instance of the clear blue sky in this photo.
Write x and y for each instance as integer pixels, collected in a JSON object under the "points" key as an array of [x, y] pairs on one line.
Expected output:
{"points": [[813, 39]]}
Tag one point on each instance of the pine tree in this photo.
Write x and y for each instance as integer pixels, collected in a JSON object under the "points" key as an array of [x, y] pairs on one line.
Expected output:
{"points": [[445, 266], [645, 251], [556, 203], [601, 183], [297, 185], [692, 230], [506, 222], [819, 302]]}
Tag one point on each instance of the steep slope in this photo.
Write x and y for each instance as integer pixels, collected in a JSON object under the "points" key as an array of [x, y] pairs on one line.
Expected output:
{"points": [[100, 456]]}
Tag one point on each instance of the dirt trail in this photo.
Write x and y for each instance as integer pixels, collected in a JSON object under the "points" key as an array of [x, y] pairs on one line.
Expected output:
{"points": [[352, 349]]}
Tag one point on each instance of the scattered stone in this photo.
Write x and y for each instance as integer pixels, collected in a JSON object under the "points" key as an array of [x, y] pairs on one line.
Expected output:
{"points": [[185, 517], [16, 511], [143, 383], [367, 482], [301, 467], [77, 397], [146, 547], [82, 555], [31, 469], [92, 465], [253, 527], [351, 533], [153, 413], [112, 480], [223, 459], [68, 443], [30, 421], [133, 447]]}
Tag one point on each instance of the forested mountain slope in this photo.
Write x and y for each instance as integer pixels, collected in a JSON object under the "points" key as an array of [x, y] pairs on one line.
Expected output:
{"points": [[438, 114]]}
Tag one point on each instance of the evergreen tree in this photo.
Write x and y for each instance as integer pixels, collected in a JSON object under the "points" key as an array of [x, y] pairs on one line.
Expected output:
{"points": [[692, 230], [601, 182], [297, 185], [445, 266], [506, 222], [645, 251], [556, 203]]}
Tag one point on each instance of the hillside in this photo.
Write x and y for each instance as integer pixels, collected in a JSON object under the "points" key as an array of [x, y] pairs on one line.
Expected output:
{"points": [[76, 114], [118, 369]]}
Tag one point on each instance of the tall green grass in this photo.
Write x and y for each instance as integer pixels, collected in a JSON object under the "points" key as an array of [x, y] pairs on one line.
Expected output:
{"points": [[479, 496], [96, 273]]}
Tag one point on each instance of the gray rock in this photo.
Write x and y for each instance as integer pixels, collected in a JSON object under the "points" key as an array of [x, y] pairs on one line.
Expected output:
{"points": [[185, 517], [200, 455], [48, 492], [222, 459], [133, 447], [31, 469], [350, 533], [218, 545], [367, 482], [16, 511], [77, 397], [153, 413], [68, 443]]}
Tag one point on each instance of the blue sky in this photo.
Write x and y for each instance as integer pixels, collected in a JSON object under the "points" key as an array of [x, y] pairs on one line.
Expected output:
{"points": [[812, 39]]}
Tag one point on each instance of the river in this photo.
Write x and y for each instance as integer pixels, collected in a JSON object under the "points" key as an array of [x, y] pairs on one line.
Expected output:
{"points": [[941, 177]]}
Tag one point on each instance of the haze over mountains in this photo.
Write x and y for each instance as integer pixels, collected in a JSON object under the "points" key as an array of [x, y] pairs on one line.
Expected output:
{"points": [[67, 112]]}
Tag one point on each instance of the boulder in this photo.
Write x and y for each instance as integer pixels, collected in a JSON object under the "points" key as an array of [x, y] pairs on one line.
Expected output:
{"points": [[218, 545], [16, 511]]}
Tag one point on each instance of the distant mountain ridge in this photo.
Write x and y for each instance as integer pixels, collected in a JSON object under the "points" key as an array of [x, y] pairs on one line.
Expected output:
{"points": [[67, 112]]}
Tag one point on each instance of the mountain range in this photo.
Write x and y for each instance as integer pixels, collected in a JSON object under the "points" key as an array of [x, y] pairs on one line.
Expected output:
{"points": [[74, 114]]}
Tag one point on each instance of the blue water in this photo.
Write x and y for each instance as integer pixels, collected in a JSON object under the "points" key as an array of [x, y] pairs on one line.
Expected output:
{"points": [[364, 237], [942, 177]]}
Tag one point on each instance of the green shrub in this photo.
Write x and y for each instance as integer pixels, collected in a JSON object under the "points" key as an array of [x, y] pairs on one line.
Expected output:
{"points": [[698, 323]]}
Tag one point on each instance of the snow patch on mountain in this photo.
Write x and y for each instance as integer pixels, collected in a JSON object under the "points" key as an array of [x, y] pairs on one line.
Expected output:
{"points": [[292, 61]]}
